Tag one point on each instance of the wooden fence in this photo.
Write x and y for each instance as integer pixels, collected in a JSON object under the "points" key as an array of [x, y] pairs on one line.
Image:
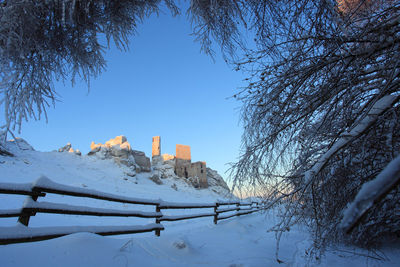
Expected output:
{"points": [[23, 233]]}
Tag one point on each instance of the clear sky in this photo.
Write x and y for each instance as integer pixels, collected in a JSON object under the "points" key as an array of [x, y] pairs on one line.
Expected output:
{"points": [[162, 86]]}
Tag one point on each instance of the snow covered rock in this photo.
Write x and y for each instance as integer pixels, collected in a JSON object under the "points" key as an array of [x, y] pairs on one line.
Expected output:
{"points": [[180, 244], [156, 179], [167, 157], [216, 181], [141, 160], [94, 146], [65, 148], [128, 162], [100, 152], [21, 144], [68, 148], [175, 187], [14, 146], [76, 151], [156, 160], [119, 140], [194, 181], [120, 150], [166, 171]]}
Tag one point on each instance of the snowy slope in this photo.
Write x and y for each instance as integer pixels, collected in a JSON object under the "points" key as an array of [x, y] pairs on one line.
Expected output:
{"points": [[91, 172], [240, 241]]}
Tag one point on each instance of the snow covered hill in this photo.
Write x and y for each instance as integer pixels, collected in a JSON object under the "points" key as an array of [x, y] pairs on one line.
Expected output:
{"points": [[240, 241], [99, 173], [103, 174]]}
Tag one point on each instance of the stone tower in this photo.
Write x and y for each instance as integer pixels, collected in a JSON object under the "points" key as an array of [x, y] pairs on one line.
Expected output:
{"points": [[156, 147], [183, 161], [183, 152]]}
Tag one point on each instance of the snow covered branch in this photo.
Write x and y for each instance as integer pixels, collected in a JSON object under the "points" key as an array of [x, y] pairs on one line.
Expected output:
{"points": [[371, 193], [377, 109]]}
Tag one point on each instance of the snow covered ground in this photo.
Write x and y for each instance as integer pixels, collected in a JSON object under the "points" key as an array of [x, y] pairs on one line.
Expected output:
{"points": [[237, 242], [240, 241]]}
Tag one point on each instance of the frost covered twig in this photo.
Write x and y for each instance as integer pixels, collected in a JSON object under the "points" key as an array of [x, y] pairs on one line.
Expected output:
{"points": [[371, 193], [377, 109]]}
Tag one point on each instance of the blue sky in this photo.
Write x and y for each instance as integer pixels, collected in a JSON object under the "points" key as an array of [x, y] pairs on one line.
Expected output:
{"points": [[162, 86]]}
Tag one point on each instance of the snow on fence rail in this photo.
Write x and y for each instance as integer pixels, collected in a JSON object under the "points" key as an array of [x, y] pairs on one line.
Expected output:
{"points": [[39, 188]]}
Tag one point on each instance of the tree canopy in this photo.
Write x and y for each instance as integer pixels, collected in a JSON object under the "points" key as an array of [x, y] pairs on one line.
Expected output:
{"points": [[320, 113]]}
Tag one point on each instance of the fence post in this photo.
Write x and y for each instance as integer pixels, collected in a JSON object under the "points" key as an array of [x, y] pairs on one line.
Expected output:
{"points": [[237, 209], [26, 215], [215, 213], [158, 232]]}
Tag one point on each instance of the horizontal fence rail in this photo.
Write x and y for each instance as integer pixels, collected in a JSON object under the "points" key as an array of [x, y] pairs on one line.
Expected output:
{"points": [[39, 188], [19, 234], [19, 189], [46, 207], [44, 184]]}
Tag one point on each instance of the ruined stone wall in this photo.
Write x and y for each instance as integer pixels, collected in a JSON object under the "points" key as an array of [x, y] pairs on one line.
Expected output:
{"points": [[199, 170], [183, 161], [182, 168], [183, 152]]}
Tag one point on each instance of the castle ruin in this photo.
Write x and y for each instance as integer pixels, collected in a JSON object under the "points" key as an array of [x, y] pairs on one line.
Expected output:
{"points": [[156, 146], [183, 163]]}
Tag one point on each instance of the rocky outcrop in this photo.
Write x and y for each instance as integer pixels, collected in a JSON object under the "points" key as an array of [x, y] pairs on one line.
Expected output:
{"points": [[142, 160], [21, 144], [65, 148], [76, 151], [68, 148], [166, 157], [156, 160], [121, 152], [214, 179], [156, 179], [12, 146], [118, 141]]}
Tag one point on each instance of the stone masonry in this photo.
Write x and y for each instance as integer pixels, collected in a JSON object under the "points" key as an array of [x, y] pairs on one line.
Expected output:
{"points": [[156, 146], [183, 161], [199, 170], [185, 168], [183, 152]]}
